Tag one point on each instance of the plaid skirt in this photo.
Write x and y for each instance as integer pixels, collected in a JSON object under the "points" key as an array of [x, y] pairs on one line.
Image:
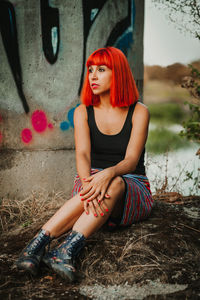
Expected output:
{"points": [[138, 201]]}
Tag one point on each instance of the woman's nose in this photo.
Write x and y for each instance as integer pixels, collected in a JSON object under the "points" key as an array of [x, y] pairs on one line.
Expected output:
{"points": [[94, 75]]}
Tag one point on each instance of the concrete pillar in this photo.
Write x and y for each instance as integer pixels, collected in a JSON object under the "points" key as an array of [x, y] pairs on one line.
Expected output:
{"points": [[37, 149]]}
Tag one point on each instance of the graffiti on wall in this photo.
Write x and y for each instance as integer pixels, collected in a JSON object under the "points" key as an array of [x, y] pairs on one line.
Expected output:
{"points": [[123, 39], [120, 35], [10, 41], [50, 31], [91, 11], [39, 123], [65, 125]]}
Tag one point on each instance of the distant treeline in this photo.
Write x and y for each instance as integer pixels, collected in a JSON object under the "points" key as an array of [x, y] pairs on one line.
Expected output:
{"points": [[174, 72]]}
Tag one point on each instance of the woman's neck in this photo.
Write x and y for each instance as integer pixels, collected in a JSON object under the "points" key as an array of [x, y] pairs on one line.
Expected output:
{"points": [[105, 100]]}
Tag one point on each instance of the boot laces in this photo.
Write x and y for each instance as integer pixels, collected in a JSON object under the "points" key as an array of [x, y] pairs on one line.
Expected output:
{"points": [[38, 242]]}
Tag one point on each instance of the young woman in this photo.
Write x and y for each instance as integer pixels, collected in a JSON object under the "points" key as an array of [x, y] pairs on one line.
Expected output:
{"points": [[111, 187]]}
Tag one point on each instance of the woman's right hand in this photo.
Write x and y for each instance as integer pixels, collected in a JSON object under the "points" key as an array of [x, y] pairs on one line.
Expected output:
{"points": [[97, 186], [96, 206]]}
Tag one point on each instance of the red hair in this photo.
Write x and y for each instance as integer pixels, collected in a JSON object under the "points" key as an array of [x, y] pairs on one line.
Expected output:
{"points": [[123, 90]]}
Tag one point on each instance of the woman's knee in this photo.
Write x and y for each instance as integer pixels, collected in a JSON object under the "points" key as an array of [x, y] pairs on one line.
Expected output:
{"points": [[76, 201], [117, 186]]}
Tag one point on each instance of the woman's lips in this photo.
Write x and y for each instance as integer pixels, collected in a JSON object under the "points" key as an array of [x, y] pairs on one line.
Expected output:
{"points": [[94, 85]]}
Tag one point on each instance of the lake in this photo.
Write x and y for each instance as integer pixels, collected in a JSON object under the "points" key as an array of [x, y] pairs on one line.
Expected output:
{"points": [[180, 167]]}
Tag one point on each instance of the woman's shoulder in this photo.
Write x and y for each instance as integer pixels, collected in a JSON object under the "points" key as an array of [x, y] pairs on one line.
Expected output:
{"points": [[81, 109], [80, 112], [141, 109]]}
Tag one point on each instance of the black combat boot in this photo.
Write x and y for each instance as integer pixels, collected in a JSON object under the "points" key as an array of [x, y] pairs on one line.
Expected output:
{"points": [[62, 259], [30, 258]]}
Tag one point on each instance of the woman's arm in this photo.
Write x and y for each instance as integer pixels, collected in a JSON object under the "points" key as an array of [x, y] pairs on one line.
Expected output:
{"points": [[83, 156], [82, 142]]}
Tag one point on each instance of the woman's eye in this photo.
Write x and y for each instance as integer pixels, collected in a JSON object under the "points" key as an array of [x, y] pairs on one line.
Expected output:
{"points": [[90, 70], [101, 69]]}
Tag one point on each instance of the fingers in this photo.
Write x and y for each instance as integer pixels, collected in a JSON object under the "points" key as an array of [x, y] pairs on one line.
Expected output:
{"points": [[107, 196], [94, 194], [92, 208], [98, 208], [84, 191], [103, 196], [95, 208], [91, 196], [90, 192], [85, 205], [88, 179], [89, 208], [103, 205]]}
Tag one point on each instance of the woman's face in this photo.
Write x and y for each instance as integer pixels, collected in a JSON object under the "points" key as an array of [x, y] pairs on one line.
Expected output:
{"points": [[100, 79]]}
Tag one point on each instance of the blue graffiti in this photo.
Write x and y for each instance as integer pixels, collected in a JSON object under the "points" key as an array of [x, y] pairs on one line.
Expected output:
{"points": [[70, 116], [125, 41], [11, 22], [65, 125]]}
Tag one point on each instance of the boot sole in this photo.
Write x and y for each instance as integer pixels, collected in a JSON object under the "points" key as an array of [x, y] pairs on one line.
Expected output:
{"points": [[26, 269], [55, 267]]}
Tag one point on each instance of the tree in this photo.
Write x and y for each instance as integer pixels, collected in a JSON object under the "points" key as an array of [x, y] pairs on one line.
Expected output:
{"points": [[192, 125], [185, 14]]}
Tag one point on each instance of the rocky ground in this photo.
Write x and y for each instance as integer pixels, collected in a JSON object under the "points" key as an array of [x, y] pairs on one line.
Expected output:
{"points": [[158, 258]]}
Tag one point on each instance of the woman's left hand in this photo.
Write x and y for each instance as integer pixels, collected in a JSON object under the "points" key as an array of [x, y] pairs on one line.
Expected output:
{"points": [[95, 207], [97, 185]]}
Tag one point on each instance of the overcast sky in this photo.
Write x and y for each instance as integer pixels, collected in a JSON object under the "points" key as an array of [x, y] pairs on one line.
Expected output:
{"points": [[163, 43]]}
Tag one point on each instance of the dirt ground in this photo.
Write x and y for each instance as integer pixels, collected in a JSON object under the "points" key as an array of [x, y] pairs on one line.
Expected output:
{"points": [[164, 248]]}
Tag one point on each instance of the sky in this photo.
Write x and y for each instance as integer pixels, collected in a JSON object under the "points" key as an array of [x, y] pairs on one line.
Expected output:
{"points": [[163, 43]]}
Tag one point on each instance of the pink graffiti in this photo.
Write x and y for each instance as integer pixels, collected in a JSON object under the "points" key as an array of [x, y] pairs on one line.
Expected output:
{"points": [[26, 135], [50, 126], [39, 120], [39, 123]]}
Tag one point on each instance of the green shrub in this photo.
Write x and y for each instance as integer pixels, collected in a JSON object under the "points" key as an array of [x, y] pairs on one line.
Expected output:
{"points": [[192, 124], [161, 140], [167, 112]]}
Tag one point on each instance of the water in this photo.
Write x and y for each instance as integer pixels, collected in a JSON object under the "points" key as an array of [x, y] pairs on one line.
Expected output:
{"points": [[179, 167]]}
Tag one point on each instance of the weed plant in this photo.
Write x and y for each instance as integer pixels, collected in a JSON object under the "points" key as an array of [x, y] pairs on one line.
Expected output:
{"points": [[165, 182]]}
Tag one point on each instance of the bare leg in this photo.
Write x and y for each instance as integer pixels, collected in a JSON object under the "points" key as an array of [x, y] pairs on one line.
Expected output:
{"points": [[88, 224], [72, 213], [64, 219]]}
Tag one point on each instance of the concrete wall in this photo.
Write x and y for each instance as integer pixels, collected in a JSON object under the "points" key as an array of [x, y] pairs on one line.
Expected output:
{"points": [[37, 149]]}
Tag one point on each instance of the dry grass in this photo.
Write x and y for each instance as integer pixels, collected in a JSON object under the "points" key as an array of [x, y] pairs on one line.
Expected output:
{"points": [[165, 246], [123, 258], [156, 91], [30, 212], [132, 255]]}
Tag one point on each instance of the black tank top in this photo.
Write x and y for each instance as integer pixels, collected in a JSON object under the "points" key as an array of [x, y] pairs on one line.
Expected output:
{"points": [[108, 150]]}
